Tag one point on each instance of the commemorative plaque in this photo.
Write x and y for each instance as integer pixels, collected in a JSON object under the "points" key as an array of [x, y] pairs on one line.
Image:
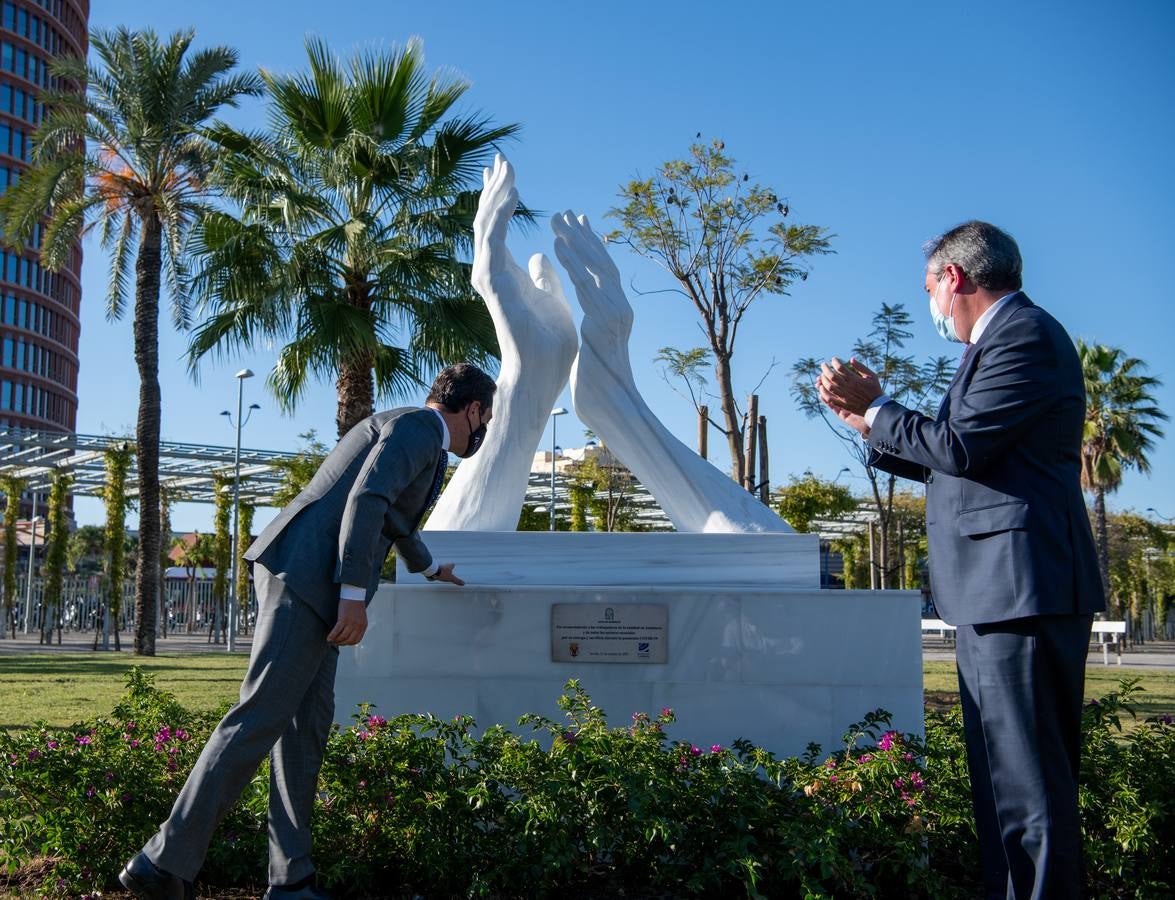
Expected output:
{"points": [[618, 633]]}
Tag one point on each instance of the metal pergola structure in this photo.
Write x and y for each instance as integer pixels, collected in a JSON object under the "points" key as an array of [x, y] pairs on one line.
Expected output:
{"points": [[188, 470]]}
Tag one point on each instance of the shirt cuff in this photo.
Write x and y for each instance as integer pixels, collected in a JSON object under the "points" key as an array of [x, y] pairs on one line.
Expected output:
{"points": [[352, 592], [871, 412], [430, 571]]}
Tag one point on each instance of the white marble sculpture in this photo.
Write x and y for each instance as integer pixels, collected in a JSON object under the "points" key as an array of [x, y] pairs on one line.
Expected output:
{"points": [[694, 494], [536, 335]]}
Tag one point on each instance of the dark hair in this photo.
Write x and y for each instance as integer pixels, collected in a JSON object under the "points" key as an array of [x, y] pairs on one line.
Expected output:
{"points": [[988, 256], [459, 385]]}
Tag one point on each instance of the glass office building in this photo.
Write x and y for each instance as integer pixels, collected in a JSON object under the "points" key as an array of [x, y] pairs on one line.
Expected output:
{"points": [[38, 308]]}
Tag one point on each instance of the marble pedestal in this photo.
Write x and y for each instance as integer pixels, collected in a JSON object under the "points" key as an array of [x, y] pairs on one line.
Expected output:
{"points": [[755, 649]]}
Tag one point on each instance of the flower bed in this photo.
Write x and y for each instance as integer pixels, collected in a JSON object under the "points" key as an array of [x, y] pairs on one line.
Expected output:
{"points": [[415, 805]]}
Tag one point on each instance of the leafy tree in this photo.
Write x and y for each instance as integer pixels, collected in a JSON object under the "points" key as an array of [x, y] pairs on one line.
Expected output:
{"points": [[84, 555], [1121, 423], [300, 468], [356, 209], [55, 556], [222, 548], [1139, 568], [919, 386], [726, 242], [12, 488], [114, 543], [129, 154], [605, 489], [809, 497], [244, 537], [194, 552]]}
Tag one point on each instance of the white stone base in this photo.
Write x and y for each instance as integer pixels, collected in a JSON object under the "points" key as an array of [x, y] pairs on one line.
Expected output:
{"points": [[779, 667]]}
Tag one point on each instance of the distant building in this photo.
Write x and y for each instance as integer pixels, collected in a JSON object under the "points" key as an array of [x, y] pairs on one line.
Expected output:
{"points": [[39, 324]]}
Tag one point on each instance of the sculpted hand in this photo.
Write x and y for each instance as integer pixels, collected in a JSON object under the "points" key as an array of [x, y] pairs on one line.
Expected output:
{"points": [[351, 626], [850, 388], [445, 573]]}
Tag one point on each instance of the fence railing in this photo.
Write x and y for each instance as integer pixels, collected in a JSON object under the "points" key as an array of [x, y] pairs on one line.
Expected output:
{"points": [[186, 606]]}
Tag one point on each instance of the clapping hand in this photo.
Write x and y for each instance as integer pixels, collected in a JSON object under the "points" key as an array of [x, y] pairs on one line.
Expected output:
{"points": [[848, 390]]}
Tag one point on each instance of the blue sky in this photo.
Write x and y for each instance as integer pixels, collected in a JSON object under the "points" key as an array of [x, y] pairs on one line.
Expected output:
{"points": [[886, 123]]}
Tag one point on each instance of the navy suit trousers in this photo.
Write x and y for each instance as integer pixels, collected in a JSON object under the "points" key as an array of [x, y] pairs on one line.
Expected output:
{"points": [[1021, 684]]}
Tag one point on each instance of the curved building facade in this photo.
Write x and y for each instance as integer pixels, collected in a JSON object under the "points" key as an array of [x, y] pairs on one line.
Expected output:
{"points": [[39, 325]]}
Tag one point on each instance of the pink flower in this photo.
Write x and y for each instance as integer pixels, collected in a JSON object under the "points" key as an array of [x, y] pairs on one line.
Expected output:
{"points": [[666, 712], [376, 721], [868, 757], [84, 740], [907, 756], [34, 755], [832, 778], [130, 726], [364, 734], [695, 750], [886, 742], [830, 763], [181, 735], [899, 782], [715, 748], [135, 743], [52, 745]]}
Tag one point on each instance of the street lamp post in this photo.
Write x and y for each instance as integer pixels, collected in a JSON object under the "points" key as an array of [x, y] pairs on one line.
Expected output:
{"points": [[231, 643], [555, 413], [1159, 515]]}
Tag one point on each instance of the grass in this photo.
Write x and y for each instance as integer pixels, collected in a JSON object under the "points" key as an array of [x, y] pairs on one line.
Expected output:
{"points": [[941, 686], [65, 688]]}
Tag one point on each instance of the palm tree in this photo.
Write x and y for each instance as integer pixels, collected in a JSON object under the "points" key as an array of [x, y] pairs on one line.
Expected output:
{"points": [[129, 155], [356, 208], [1121, 417]]}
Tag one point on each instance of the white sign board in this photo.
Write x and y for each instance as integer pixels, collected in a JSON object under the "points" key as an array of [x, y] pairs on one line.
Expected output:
{"points": [[619, 633]]}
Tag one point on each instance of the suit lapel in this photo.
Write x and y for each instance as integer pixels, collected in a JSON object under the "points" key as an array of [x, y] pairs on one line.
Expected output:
{"points": [[970, 360]]}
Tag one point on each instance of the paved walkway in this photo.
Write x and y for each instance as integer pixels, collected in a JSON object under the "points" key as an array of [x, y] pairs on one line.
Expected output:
{"points": [[1151, 655], [83, 642]]}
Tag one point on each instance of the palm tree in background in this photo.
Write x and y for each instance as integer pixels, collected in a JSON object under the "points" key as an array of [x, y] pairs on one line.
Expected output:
{"points": [[130, 156], [1121, 423], [357, 206]]}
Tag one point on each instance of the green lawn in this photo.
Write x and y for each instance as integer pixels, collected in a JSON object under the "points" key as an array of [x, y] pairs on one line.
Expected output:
{"points": [[941, 685], [64, 688]]}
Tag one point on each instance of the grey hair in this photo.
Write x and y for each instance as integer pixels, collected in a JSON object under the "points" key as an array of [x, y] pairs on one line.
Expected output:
{"points": [[987, 255]]}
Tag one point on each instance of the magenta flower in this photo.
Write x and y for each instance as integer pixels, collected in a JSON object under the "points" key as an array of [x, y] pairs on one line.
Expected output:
{"points": [[34, 755], [181, 735], [84, 740], [130, 726], [52, 745], [135, 743], [715, 748], [666, 712], [907, 756], [569, 737], [110, 776], [364, 734], [376, 721], [830, 763], [886, 742], [899, 782], [695, 750], [832, 778], [90, 792], [868, 757]]}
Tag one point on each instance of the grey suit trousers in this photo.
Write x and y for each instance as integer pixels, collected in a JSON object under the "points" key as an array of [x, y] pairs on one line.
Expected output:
{"points": [[286, 709]]}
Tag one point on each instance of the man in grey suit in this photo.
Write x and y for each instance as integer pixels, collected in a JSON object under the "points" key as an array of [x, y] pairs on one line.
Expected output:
{"points": [[315, 569], [1012, 560]]}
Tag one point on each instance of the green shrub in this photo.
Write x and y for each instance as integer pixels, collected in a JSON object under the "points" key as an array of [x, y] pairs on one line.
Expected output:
{"points": [[420, 806]]}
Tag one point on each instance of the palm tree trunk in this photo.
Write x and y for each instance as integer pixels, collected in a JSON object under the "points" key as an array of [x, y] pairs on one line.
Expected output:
{"points": [[1103, 538], [356, 394], [146, 331]]}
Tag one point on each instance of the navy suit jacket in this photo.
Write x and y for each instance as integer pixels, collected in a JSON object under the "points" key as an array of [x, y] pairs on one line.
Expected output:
{"points": [[1006, 521]]}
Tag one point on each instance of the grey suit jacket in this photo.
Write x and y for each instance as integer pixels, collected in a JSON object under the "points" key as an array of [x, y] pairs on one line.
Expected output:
{"points": [[1005, 518], [367, 495]]}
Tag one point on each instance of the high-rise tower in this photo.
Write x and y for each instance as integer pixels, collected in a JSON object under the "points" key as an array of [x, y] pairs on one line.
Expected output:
{"points": [[39, 324]]}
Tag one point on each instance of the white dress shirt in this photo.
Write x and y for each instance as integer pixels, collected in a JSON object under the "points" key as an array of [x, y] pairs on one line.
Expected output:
{"points": [[354, 592], [977, 330]]}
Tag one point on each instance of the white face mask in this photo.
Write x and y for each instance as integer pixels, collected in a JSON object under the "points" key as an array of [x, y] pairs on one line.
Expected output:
{"points": [[944, 325]]}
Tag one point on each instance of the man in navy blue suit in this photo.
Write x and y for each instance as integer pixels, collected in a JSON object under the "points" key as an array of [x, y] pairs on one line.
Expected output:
{"points": [[1012, 559]]}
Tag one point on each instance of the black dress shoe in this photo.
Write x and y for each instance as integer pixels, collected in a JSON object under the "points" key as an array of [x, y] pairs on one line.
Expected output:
{"points": [[306, 890], [147, 881]]}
